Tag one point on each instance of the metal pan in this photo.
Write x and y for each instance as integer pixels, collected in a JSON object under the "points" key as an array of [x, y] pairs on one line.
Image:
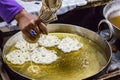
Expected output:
{"points": [[64, 28]]}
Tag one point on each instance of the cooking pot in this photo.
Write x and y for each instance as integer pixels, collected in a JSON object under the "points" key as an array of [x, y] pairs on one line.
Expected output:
{"points": [[63, 28], [111, 10]]}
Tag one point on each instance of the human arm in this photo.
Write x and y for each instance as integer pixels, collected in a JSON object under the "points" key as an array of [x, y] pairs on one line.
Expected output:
{"points": [[29, 22], [10, 9]]}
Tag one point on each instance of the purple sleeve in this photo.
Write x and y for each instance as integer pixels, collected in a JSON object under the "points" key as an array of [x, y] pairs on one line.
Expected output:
{"points": [[8, 9]]}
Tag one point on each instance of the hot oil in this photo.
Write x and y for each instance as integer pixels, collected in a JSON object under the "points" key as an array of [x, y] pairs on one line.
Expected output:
{"points": [[75, 65], [115, 21]]}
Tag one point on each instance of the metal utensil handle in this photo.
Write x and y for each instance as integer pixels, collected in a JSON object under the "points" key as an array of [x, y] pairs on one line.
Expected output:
{"points": [[110, 27]]}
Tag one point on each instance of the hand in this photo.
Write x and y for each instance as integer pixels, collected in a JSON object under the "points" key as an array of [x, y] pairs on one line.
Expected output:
{"points": [[30, 25]]}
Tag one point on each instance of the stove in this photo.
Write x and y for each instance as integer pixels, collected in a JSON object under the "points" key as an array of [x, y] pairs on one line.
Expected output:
{"points": [[88, 18]]}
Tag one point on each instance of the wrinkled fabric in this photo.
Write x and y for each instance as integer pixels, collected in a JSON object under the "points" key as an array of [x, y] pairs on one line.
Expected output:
{"points": [[48, 10], [8, 9]]}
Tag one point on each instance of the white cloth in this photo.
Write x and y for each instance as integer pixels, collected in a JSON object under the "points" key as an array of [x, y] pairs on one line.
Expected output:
{"points": [[67, 5]]}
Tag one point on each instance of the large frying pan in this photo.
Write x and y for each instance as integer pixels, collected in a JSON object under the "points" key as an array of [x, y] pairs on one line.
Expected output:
{"points": [[64, 28]]}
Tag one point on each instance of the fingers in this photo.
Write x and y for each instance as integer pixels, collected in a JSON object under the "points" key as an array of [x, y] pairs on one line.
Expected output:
{"points": [[42, 26], [33, 30], [27, 35]]}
